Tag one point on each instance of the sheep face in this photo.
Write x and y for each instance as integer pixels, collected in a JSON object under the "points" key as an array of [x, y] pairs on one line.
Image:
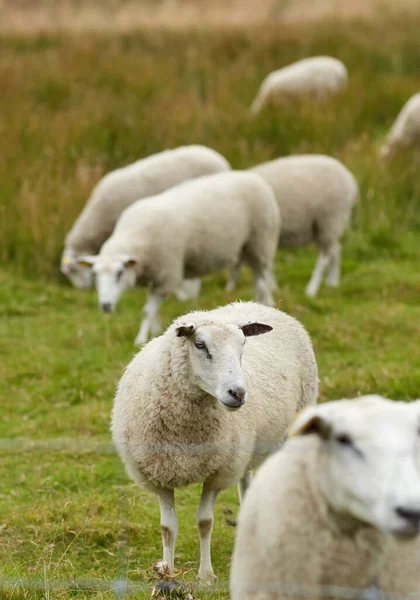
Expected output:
{"points": [[79, 275], [215, 358], [369, 467], [112, 277]]}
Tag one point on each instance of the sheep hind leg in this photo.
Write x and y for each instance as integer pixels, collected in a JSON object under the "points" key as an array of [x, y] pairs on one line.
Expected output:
{"points": [[234, 276], [168, 524], [243, 485], [333, 277], [150, 319], [205, 519], [317, 274], [263, 293]]}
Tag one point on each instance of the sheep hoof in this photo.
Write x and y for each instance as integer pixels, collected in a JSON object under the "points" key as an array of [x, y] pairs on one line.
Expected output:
{"points": [[207, 577]]}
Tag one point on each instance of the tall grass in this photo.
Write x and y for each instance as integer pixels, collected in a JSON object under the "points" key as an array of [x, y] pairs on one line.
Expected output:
{"points": [[74, 108]]}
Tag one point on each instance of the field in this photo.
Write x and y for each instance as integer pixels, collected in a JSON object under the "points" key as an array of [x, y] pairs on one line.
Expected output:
{"points": [[75, 105]]}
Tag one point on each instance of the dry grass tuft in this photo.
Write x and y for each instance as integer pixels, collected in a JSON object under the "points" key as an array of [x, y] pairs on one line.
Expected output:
{"points": [[32, 17]]}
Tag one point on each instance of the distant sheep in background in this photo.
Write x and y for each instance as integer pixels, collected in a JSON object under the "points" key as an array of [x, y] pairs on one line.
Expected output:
{"points": [[194, 229], [315, 195], [120, 188], [405, 132], [207, 402], [317, 77], [322, 514]]}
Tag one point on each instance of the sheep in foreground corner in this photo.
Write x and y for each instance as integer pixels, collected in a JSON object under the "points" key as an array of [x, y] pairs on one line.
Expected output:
{"points": [[120, 188], [315, 195], [194, 229], [318, 77], [324, 514], [203, 403], [405, 133]]}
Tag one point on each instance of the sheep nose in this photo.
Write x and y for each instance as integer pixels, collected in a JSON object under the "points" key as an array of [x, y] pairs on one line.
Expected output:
{"points": [[238, 394], [412, 516], [106, 307]]}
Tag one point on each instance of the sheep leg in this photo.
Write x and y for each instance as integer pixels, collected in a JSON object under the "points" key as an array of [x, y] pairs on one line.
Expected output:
{"points": [[189, 289], [150, 318], [243, 485], [168, 524], [333, 278], [272, 281], [234, 276], [262, 288], [317, 274], [205, 519]]}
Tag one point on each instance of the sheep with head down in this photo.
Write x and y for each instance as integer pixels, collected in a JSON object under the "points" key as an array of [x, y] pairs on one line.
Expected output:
{"points": [[328, 514], [122, 187], [194, 229], [316, 77], [405, 132], [207, 402]]}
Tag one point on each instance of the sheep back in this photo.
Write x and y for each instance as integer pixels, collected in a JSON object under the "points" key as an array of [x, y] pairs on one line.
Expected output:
{"points": [[144, 178], [315, 195], [206, 223]]}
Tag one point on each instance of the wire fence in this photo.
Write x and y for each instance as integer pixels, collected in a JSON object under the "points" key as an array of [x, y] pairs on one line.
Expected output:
{"points": [[121, 586]]}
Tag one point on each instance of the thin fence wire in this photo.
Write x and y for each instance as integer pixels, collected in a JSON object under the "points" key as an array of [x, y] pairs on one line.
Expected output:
{"points": [[122, 586]]}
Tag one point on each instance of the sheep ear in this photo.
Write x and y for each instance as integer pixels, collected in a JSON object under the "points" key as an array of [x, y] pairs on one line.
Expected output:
{"points": [[250, 329], [86, 262], [310, 422], [130, 262], [185, 330]]}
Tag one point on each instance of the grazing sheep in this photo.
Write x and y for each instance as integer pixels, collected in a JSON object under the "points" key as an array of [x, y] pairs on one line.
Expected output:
{"points": [[405, 133], [322, 514], [198, 404], [318, 76], [120, 188], [191, 230], [315, 194]]}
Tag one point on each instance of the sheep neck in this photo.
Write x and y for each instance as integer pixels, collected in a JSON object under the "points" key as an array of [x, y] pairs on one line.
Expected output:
{"points": [[188, 412]]}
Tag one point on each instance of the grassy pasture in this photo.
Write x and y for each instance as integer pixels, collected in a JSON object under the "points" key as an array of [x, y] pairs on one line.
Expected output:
{"points": [[74, 107]]}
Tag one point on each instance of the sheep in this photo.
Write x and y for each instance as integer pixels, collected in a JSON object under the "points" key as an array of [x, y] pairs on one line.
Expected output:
{"points": [[191, 230], [120, 188], [315, 195], [326, 513], [317, 76], [199, 405], [405, 133]]}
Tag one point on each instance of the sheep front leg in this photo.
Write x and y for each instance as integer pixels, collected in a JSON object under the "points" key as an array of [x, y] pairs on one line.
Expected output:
{"points": [[151, 318], [168, 524], [205, 519]]}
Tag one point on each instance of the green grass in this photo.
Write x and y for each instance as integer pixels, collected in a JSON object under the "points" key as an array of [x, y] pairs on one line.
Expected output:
{"points": [[73, 108]]}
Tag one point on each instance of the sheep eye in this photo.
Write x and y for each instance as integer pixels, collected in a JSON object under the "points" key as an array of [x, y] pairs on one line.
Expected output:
{"points": [[199, 344], [344, 439]]}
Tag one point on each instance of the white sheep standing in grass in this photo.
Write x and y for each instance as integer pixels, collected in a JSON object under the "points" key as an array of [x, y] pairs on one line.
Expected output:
{"points": [[317, 76], [199, 405], [120, 188], [194, 229], [405, 132], [315, 195], [322, 515]]}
